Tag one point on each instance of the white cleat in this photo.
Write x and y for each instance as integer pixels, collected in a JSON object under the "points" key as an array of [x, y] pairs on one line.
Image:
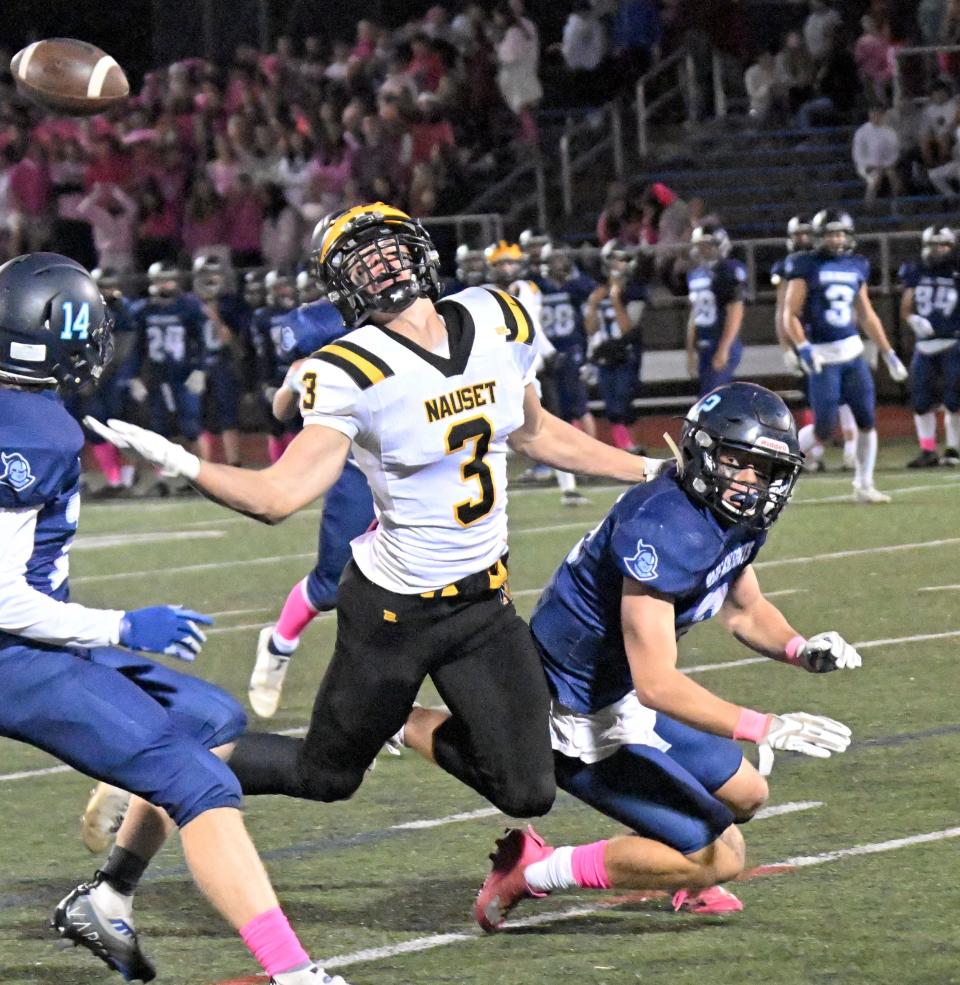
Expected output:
{"points": [[314, 975], [869, 494], [266, 681], [103, 816]]}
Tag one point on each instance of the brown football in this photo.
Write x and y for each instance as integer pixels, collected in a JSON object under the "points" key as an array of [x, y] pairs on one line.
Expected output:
{"points": [[69, 76]]}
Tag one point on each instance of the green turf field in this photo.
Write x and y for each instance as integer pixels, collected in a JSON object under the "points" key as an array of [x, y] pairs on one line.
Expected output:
{"points": [[864, 900]]}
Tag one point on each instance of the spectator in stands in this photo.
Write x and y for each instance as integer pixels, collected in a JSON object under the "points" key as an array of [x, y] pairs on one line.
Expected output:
{"points": [[518, 57], [950, 36], [225, 167], [426, 67], [819, 28], [204, 217], [636, 36], [876, 151], [398, 83], [112, 215], [280, 231], [619, 220], [764, 91], [295, 166], [795, 70], [873, 54], [431, 131], [28, 196], [332, 168], [584, 47], [937, 125], [244, 223], [156, 225], [836, 89]]}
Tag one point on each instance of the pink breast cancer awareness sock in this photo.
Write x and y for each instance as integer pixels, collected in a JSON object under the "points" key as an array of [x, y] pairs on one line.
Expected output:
{"points": [[589, 869], [273, 943], [108, 458], [296, 614]]}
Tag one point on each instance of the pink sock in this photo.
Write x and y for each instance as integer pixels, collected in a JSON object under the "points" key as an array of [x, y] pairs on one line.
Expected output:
{"points": [[273, 943], [588, 867], [296, 613], [285, 440], [926, 444], [108, 458], [621, 436], [274, 448]]}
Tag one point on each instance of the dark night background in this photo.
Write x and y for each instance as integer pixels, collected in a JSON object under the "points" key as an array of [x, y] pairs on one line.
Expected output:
{"points": [[143, 34]]}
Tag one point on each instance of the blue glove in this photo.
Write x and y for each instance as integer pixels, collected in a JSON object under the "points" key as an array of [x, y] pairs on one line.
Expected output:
{"points": [[810, 361], [164, 629]]}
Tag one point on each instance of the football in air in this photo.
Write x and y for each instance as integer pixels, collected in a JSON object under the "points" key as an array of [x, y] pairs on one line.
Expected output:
{"points": [[68, 76]]}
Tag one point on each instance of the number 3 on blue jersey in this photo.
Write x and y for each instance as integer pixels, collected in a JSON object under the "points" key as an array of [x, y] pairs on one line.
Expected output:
{"points": [[75, 327], [840, 312]]}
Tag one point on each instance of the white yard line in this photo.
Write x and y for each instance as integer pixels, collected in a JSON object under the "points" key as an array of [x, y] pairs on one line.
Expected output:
{"points": [[154, 537], [211, 566], [833, 555], [892, 491], [236, 612], [940, 588], [441, 940]]}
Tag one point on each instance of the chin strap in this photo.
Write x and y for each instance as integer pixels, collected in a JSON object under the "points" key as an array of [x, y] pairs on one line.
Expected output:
{"points": [[675, 451]]}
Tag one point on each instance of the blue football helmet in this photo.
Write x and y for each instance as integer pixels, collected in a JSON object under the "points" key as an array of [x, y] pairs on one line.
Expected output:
{"points": [[54, 324], [734, 427], [799, 234]]}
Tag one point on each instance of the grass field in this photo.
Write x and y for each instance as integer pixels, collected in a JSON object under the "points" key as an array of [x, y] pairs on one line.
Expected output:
{"points": [[855, 881]]}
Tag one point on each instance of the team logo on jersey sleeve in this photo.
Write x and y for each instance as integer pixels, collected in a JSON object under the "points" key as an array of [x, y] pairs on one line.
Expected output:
{"points": [[643, 564], [16, 471]]}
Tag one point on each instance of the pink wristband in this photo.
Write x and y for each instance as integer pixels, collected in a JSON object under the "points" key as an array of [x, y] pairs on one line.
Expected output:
{"points": [[752, 725], [792, 649]]}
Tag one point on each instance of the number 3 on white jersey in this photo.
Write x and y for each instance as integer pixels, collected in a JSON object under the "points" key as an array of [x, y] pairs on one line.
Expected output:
{"points": [[840, 312], [478, 430]]}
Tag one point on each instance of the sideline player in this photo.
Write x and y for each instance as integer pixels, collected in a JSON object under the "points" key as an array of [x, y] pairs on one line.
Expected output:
{"points": [[716, 289], [428, 395], [633, 736], [800, 240], [929, 307], [74, 684], [826, 301]]}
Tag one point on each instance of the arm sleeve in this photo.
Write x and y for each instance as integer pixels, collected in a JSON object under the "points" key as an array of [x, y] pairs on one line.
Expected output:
{"points": [[335, 401], [26, 612]]}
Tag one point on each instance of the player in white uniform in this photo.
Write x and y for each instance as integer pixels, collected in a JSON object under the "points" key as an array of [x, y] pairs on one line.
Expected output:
{"points": [[428, 396]]}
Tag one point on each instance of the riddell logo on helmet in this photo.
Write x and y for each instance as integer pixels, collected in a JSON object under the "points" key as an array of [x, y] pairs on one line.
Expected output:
{"points": [[772, 444]]}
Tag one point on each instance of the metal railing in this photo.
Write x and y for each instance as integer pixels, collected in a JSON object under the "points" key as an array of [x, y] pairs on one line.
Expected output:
{"points": [[489, 225], [927, 69]]}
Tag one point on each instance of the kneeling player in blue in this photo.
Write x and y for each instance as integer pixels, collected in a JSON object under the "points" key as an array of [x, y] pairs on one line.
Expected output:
{"points": [[632, 735], [929, 307], [347, 513], [825, 304], [77, 683]]}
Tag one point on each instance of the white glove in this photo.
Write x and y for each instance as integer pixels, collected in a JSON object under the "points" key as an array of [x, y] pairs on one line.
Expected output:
{"points": [[652, 467], [898, 372], [269, 392], [828, 651], [810, 360], [138, 390], [171, 459], [792, 361], [196, 382], [796, 731], [921, 326]]}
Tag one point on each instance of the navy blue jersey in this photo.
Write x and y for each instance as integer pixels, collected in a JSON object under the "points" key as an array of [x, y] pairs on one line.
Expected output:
{"points": [[833, 283], [171, 336], [935, 293], [776, 271], [234, 313], [657, 535], [710, 290], [40, 447], [609, 327], [274, 342], [314, 325], [561, 316]]}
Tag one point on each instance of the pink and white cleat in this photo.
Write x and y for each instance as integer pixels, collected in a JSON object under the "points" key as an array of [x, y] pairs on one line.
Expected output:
{"points": [[714, 900], [506, 885]]}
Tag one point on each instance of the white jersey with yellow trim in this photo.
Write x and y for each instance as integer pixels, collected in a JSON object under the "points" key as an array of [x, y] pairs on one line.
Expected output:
{"points": [[531, 297], [429, 431]]}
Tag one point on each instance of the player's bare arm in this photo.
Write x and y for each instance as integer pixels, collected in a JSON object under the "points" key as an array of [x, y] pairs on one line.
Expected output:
{"points": [[691, 346], [796, 296], [869, 320], [906, 303], [731, 329], [755, 621], [547, 439], [649, 637]]}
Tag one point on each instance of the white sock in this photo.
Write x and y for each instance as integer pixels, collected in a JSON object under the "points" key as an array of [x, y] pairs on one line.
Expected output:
{"points": [[553, 872], [926, 425], [807, 439], [567, 481], [847, 424], [866, 458], [951, 424], [282, 645], [113, 905]]}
